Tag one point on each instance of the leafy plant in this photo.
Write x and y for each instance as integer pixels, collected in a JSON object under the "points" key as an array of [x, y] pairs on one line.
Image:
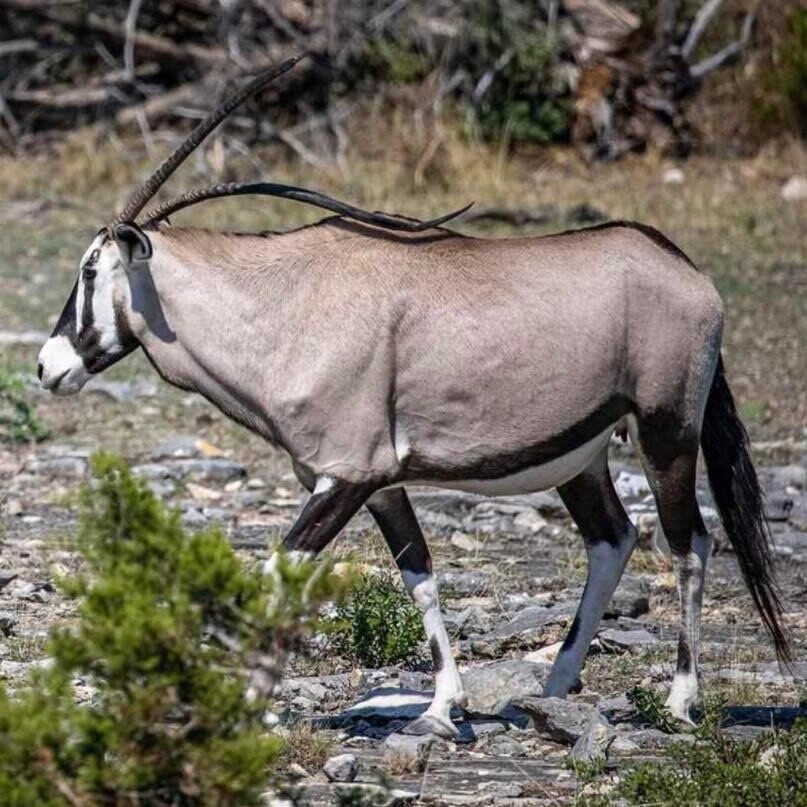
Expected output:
{"points": [[181, 646], [721, 771], [376, 623], [18, 420], [785, 83], [650, 705]]}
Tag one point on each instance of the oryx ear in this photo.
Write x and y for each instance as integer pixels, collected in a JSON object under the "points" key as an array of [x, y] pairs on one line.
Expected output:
{"points": [[133, 243]]}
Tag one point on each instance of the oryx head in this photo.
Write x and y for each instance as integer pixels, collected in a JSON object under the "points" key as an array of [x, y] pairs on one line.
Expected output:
{"points": [[92, 332]]}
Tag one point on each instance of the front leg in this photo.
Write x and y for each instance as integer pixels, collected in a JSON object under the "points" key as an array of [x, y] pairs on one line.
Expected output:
{"points": [[333, 502], [396, 519]]}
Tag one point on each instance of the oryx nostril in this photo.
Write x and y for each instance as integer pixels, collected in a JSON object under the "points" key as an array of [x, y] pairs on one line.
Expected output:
{"points": [[39, 370]]}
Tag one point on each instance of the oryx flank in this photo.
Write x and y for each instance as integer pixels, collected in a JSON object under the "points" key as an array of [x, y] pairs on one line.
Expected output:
{"points": [[380, 352]]}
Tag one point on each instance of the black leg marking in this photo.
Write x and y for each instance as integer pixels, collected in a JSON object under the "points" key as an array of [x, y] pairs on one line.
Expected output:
{"points": [[324, 515], [437, 655], [571, 636], [609, 537]]}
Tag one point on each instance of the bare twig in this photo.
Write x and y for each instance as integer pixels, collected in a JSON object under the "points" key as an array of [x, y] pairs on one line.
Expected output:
{"points": [[699, 25], [130, 31], [731, 51]]}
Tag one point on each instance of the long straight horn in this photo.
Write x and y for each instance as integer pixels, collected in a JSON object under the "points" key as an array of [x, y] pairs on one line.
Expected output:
{"points": [[139, 199]]}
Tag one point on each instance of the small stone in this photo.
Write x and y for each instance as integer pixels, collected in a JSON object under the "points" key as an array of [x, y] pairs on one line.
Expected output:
{"points": [[341, 768], [297, 771], [795, 189], [7, 623], [529, 521], [6, 577], [407, 753], [502, 745], [465, 542], [13, 507], [560, 720], [592, 744], [673, 176], [545, 655]]}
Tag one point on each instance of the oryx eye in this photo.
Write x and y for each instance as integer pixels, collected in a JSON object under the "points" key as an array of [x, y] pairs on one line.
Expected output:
{"points": [[90, 273]]}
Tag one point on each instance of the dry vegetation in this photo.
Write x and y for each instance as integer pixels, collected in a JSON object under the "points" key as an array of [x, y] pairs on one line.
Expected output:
{"points": [[727, 215]]}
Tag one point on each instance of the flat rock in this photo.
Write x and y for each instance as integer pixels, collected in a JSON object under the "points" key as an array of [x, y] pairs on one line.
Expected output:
{"points": [[592, 744], [534, 626], [655, 739], [184, 447], [621, 640], [68, 467], [215, 469], [563, 721], [492, 687]]}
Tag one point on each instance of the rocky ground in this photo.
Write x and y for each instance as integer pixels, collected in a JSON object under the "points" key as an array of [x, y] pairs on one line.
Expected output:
{"points": [[511, 571]]}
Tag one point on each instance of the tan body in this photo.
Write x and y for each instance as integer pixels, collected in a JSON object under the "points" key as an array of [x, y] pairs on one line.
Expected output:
{"points": [[434, 360]]}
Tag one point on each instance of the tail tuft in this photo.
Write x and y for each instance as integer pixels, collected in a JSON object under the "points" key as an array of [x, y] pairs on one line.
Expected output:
{"points": [[740, 502]]}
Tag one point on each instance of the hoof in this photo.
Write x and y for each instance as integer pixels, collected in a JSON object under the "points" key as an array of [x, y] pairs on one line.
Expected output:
{"points": [[431, 724]]}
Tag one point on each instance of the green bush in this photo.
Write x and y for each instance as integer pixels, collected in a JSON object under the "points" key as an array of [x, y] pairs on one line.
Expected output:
{"points": [[652, 708], [787, 81], [18, 420], [376, 622], [713, 770], [181, 647]]}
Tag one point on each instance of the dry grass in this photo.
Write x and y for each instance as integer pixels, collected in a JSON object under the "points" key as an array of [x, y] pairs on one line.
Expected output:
{"points": [[306, 746], [728, 216]]}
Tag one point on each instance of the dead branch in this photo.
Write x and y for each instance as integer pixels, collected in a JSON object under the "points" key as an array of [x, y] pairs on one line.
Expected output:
{"points": [[699, 26], [712, 63], [158, 106]]}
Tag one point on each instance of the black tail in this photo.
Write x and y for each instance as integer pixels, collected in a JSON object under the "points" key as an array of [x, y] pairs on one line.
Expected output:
{"points": [[739, 500]]}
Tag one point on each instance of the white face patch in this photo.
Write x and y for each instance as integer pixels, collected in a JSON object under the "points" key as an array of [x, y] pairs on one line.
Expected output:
{"points": [[63, 371], [103, 260]]}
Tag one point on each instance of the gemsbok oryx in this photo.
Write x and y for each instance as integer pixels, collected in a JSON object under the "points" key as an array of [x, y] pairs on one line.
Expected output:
{"points": [[381, 352]]}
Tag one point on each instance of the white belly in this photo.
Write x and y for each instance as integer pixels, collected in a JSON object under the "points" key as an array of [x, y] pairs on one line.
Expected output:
{"points": [[540, 477]]}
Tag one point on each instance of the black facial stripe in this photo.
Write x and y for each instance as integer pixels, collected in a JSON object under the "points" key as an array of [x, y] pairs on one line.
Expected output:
{"points": [[66, 325], [89, 290]]}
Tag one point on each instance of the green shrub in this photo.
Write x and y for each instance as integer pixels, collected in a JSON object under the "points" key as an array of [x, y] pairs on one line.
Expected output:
{"points": [[376, 622], [181, 646], [18, 420], [651, 706], [720, 771], [789, 77]]}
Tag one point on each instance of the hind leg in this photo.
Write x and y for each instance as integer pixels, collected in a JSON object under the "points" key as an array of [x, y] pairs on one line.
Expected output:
{"points": [[610, 538], [671, 463]]}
